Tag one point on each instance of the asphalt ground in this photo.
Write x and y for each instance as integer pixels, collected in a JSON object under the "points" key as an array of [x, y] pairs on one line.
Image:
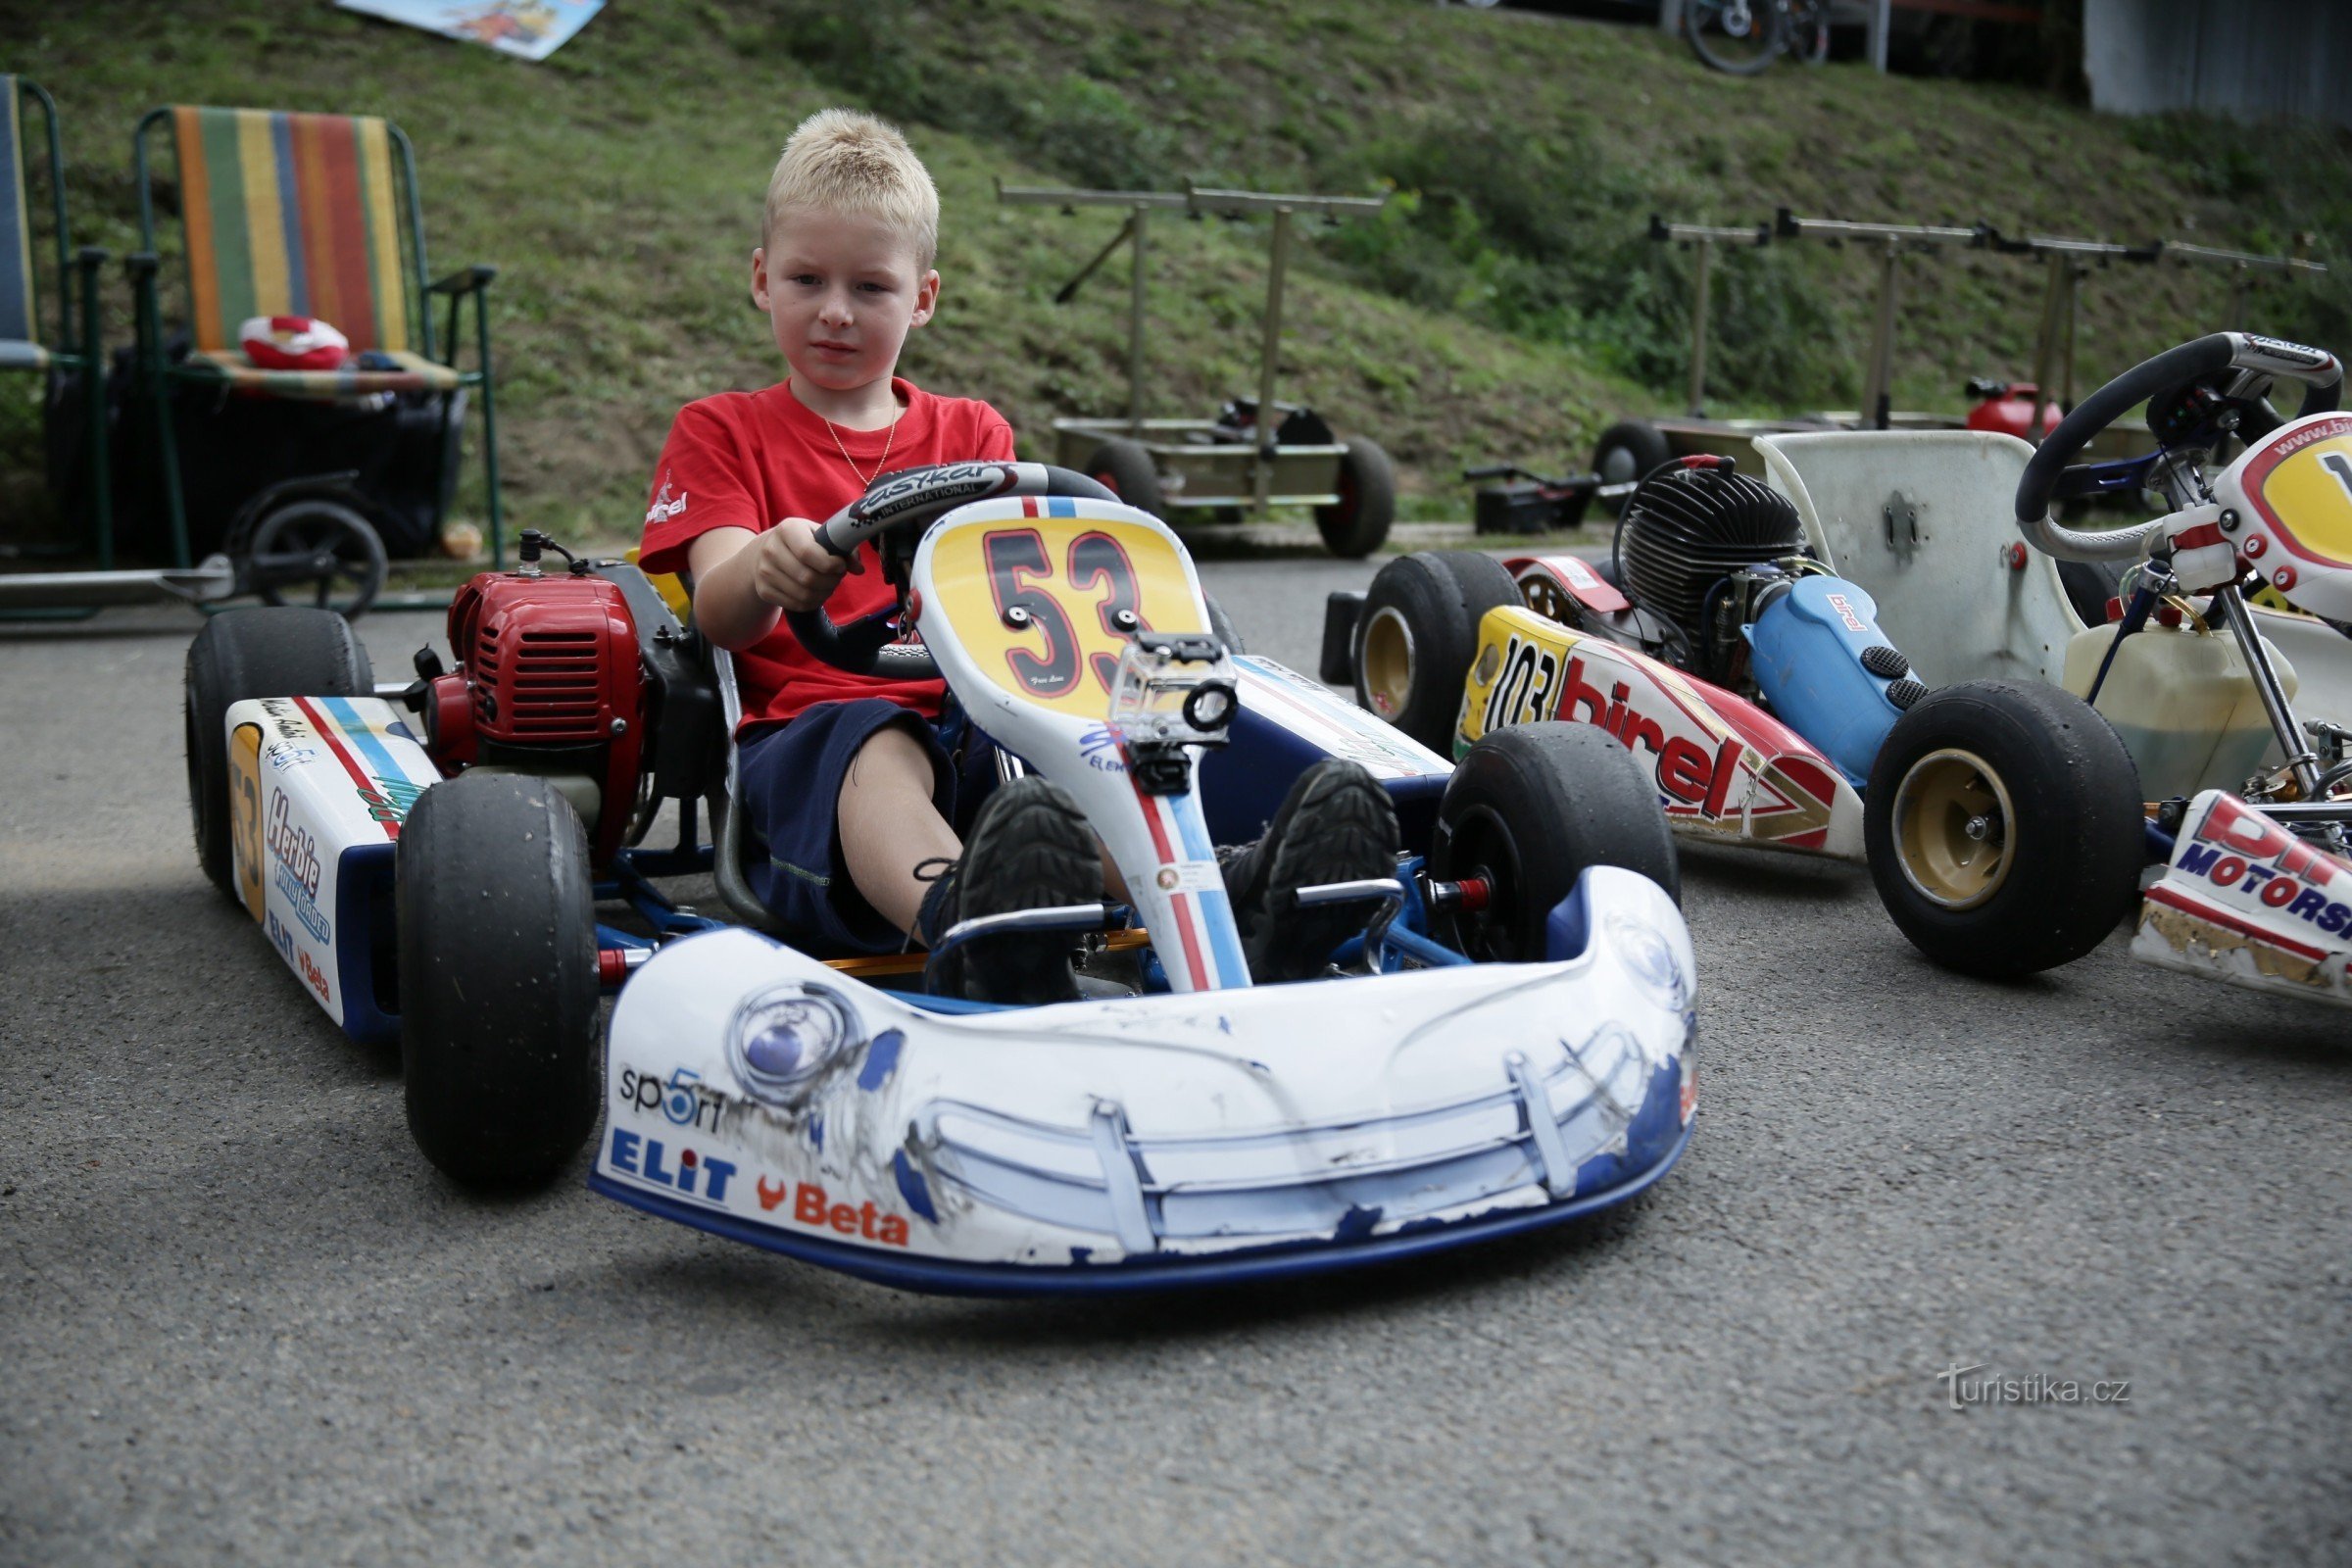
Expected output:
{"points": [[242, 1321]]}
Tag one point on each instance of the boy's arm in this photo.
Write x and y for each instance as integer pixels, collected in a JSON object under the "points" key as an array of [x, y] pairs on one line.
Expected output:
{"points": [[743, 580]]}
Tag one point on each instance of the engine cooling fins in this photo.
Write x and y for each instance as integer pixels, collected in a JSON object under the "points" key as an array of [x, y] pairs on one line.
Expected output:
{"points": [[1688, 529]]}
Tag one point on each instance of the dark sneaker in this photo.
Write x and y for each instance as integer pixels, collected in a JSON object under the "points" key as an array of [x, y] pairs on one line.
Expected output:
{"points": [[1030, 848], [1337, 824]]}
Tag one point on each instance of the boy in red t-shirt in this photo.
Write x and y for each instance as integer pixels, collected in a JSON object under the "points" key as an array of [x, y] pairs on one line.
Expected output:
{"points": [[858, 785]]}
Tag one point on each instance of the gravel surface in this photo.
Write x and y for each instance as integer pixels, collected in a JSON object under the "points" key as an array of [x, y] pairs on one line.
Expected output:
{"points": [[241, 1321]]}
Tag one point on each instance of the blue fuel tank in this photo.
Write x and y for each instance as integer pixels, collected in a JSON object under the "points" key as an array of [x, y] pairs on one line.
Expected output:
{"points": [[1809, 645]]}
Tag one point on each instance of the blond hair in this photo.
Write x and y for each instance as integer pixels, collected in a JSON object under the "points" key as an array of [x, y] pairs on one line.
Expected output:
{"points": [[840, 161]]}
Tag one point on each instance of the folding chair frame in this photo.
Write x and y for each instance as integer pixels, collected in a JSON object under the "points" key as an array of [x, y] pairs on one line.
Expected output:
{"points": [[158, 376]]}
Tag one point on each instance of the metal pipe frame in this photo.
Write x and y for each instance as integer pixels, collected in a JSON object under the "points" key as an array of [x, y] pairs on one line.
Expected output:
{"points": [[2300, 760]]}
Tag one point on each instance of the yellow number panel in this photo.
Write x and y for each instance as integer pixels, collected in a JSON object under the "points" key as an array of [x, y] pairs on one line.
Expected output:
{"points": [[1038, 602], [2309, 496], [245, 812]]}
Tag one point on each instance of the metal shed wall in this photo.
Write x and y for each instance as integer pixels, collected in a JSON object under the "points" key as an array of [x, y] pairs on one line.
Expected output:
{"points": [[2245, 58]]}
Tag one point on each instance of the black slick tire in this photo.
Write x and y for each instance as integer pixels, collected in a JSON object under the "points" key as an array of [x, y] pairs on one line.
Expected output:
{"points": [[1417, 633], [1625, 454], [1358, 522], [1126, 468], [249, 653], [1527, 811], [2003, 826], [498, 979]]}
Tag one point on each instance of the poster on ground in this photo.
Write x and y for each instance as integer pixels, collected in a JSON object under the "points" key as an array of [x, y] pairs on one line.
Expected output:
{"points": [[530, 29]]}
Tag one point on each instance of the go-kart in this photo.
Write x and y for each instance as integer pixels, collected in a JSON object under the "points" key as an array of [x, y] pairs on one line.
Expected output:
{"points": [[1506, 1043], [2007, 825], [1762, 700], [2237, 716]]}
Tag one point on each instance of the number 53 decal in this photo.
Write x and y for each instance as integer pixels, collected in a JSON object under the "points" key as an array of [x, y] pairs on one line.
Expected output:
{"points": [[1045, 605]]}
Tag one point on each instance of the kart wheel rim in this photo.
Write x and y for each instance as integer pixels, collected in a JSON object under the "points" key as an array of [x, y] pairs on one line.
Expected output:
{"points": [[1544, 596], [1388, 662], [1952, 837]]}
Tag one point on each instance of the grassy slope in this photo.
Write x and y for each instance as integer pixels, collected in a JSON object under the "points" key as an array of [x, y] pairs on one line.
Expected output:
{"points": [[618, 187]]}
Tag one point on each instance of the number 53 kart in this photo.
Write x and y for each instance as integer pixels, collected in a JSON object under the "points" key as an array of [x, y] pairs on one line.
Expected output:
{"points": [[1505, 1043]]}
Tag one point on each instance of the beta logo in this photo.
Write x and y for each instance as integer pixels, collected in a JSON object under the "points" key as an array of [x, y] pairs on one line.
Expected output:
{"points": [[683, 1100], [643, 1158], [814, 1207]]}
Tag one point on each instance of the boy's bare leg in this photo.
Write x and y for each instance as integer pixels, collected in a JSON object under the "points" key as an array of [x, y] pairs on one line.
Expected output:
{"points": [[889, 824]]}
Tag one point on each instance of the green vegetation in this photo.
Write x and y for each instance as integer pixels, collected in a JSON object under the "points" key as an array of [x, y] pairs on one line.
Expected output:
{"points": [[1507, 304]]}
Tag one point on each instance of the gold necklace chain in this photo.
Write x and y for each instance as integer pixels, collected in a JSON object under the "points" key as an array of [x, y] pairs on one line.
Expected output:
{"points": [[864, 479]]}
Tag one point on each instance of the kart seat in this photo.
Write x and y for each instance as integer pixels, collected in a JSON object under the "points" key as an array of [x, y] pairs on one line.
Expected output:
{"points": [[1922, 520]]}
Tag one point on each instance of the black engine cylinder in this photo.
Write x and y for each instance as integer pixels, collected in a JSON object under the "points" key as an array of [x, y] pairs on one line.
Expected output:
{"points": [[1687, 529]]}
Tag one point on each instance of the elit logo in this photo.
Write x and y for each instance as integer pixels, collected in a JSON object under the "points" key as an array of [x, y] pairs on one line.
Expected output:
{"points": [[647, 1160]]}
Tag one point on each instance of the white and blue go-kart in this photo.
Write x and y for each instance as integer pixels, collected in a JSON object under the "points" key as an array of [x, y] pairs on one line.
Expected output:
{"points": [[1213, 1129], [1504, 1045]]}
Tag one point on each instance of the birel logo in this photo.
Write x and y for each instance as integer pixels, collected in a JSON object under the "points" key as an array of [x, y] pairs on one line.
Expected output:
{"points": [[1686, 772], [1846, 611], [643, 1158], [2242, 851], [391, 799], [813, 1208], [683, 1100]]}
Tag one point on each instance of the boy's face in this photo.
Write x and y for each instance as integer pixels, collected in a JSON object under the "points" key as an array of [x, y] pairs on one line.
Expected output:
{"points": [[842, 292]]}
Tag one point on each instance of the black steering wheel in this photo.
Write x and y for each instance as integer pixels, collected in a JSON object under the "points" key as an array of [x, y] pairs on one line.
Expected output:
{"points": [[914, 498], [2216, 355]]}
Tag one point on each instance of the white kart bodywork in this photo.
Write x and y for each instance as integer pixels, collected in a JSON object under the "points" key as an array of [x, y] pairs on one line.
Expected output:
{"points": [[1094, 1135], [319, 787]]}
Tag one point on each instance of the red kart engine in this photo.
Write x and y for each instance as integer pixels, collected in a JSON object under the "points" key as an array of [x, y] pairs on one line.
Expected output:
{"points": [[549, 681]]}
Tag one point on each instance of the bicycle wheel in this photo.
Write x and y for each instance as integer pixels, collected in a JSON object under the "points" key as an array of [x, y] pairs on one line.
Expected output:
{"points": [[1807, 34], [1738, 36]]}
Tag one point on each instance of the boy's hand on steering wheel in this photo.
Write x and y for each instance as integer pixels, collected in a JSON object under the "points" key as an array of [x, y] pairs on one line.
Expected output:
{"points": [[792, 571]]}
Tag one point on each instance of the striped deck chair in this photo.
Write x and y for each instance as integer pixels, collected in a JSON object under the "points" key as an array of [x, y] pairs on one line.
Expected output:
{"points": [[73, 347], [302, 215]]}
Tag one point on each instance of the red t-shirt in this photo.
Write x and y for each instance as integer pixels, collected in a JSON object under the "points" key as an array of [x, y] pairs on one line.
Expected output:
{"points": [[749, 460]]}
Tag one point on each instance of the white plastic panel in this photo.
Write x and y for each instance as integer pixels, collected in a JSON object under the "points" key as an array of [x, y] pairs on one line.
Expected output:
{"points": [[1946, 592]]}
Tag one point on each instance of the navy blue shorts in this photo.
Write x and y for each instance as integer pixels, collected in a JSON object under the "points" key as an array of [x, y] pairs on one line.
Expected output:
{"points": [[790, 786]]}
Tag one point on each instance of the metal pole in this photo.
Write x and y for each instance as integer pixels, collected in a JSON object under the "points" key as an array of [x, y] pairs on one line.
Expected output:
{"points": [[1877, 36], [1877, 396], [1699, 333], [2075, 274], [2291, 744], [1134, 332], [2045, 346], [1263, 467]]}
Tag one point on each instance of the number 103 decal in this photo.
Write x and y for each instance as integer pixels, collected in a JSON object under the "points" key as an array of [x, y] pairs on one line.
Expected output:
{"points": [[1524, 690]]}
